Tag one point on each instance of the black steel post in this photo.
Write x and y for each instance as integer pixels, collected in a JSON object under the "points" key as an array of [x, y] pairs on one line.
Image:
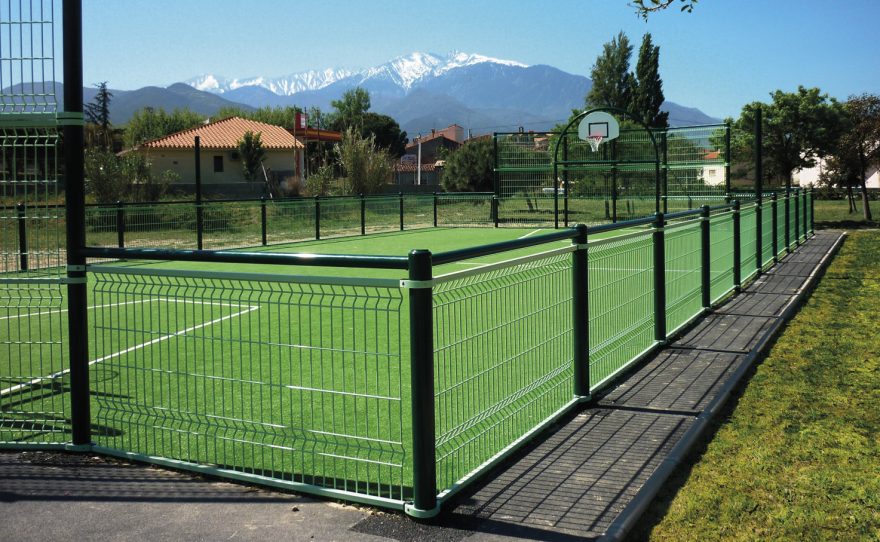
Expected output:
{"points": [[737, 248], [787, 218], [813, 213], [806, 225], [759, 234], [665, 194], [614, 193], [565, 182], [421, 318], [317, 217], [759, 156], [400, 205], [659, 242], [363, 215], [264, 221], [435, 209], [727, 162], [120, 224], [797, 221], [200, 215], [22, 238], [495, 210], [774, 213], [705, 258], [581, 319], [77, 299]]}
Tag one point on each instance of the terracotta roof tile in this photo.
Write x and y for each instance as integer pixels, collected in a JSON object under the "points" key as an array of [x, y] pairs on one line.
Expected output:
{"points": [[225, 134]]}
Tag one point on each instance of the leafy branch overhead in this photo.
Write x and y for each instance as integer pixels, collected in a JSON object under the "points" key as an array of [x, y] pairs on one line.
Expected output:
{"points": [[647, 7]]}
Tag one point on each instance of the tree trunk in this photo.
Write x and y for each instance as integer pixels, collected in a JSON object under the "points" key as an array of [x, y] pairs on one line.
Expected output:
{"points": [[863, 163], [850, 198]]}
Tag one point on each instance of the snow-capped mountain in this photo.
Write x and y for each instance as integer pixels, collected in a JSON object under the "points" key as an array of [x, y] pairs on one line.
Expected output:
{"points": [[404, 72]]}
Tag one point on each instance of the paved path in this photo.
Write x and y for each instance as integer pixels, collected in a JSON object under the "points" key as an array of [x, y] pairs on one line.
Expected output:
{"points": [[590, 476]]}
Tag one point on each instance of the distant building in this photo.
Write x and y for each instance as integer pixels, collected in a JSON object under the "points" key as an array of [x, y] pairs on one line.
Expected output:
{"points": [[713, 173], [810, 176], [407, 173]]}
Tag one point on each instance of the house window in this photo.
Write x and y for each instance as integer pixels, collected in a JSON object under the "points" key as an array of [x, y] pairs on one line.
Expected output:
{"points": [[218, 164]]}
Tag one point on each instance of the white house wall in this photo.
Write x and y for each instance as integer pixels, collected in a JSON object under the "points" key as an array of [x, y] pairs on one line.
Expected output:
{"points": [[182, 162]]}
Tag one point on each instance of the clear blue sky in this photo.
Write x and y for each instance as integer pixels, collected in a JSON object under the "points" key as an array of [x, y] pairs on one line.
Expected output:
{"points": [[723, 55]]}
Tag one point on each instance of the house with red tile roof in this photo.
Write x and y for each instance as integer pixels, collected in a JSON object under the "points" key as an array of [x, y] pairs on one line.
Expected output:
{"points": [[220, 161]]}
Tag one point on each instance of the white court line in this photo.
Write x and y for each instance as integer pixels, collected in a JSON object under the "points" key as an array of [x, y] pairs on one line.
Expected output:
{"points": [[59, 374], [531, 233], [475, 264], [167, 300]]}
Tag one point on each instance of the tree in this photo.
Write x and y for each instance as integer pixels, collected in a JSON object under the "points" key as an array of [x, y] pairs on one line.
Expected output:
{"points": [[97, 112], [646, 7], [612, 81], [250, 147], [470, 168], [648, 90], [110, 178], [148, 123], [798, 127], [350, 109], [386, 131], [859, 145], [366, 166]]}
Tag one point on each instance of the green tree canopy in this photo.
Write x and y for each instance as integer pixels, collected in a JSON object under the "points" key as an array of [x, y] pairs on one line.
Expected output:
{"points": [[97, 112], [350, 109], [470, 168], [386, 131], [367, 167], [148, 123], [648, 90], [278, 116], [612, 81], [250, 147]]}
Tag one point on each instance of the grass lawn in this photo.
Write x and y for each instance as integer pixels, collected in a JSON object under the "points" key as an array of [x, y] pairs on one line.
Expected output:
{"points": [[835, 214], [798, 456]]}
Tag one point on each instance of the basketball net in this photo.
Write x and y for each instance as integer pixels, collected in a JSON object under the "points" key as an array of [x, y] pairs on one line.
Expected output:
{"points": [[595, 140]]}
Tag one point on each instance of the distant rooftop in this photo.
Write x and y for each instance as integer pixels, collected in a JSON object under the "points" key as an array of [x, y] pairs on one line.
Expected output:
{"points": [[225, 134]]}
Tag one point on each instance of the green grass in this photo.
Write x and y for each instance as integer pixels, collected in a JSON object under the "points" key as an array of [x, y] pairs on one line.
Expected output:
{"points": [[798, 456], [835, 214]]}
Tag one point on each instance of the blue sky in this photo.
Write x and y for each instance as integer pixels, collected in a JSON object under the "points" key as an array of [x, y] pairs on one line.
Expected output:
{"points": [[718, 58]]}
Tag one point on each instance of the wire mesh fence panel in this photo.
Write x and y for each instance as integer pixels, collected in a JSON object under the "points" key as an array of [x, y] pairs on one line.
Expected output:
{"points": [[792, 219], [290, 221], [341, 216], [683, 286], [33, 326], [418, 211], [464, 210], [298, 382], [748, 242], [538, 211], [766, 235], [695, 160], [720, 255], [382, 213], [808, 220], [621, 303], [523, 164], [231, 224], [144, 225], [503, 359]]}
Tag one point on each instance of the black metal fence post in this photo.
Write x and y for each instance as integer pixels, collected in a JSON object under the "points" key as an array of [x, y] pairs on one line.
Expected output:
{"points": [[435, 209], [813, 213], [200, 213], [737, 248], [75, 203], [797, 217], [363, 215], [120, 224], [22, 238], [400, 205], [580, 306], [495, 210], [317, 217], [659, 243], [759, 236], [264, 221], [806, 225], [705, 257], [421, 336], [774, 214], [787, 220]]}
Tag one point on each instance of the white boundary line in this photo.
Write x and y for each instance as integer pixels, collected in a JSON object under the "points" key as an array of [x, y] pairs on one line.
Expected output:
{"points": [[165, 299], [53, 376], [531, 233]]}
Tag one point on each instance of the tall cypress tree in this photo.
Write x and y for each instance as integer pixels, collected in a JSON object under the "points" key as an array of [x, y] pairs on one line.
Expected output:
{"points": [[612, 81], [648, 91]]}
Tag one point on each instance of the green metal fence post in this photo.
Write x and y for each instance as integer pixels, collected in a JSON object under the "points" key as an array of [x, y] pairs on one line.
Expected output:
{"points": [[363, 215], [75, 204], [264, 221], [200, 214], [806, 225], [705, 257], [435, 209], [120, 224], [317, 217], [580, 307], [737, 248], [659, 243], [400, 205], [786, 219], [421, 326], [22, 238], [797, 218], [774, 213]]}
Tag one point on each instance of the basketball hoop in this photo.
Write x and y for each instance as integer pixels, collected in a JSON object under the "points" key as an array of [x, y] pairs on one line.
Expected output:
{"points": [[595, 140]]}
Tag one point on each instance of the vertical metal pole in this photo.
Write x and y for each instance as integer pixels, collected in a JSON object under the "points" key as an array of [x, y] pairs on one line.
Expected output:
{"points": [[264, 221], [759, 234], [737, 248], [120, 224], [613, 193], [435, 209], [495, 210], [400, 205], [317, 217], [759, 188], [565, 181], [22, 238], [797, 222], [705, 258], [806, 225], [581, 317], [496, 184], [787, 218], [556, 195], [813, 212], [200, 216], [421, 336], [77, 301], [727, 161], [774, 214], [659, 242], [363, 215], [665, 194]]}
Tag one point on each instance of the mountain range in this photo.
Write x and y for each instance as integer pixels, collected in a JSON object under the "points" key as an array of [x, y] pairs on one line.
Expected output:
{"points": [[420, 91]]}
